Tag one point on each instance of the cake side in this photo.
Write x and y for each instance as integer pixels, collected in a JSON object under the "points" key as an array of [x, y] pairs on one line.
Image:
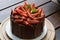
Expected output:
{"points": [[27, 22]]}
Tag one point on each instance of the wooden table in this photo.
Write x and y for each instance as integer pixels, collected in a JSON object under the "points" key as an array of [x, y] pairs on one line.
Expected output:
{"points": [[49, 36], [51, 9]]}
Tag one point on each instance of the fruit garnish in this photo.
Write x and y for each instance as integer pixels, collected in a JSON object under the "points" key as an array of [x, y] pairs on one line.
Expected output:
{"points": [[34, 10], [29, 6]]}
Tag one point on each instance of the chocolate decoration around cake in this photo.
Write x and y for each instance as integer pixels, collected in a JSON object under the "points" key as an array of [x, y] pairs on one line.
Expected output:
{"points": [[27, 22]]}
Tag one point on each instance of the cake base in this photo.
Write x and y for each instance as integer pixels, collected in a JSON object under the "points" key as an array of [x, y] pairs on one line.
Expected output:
{"points": [[9, 32]]}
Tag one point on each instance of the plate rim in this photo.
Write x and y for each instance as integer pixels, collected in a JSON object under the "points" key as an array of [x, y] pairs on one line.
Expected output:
{"points": [[41, 36], [8, 18]]}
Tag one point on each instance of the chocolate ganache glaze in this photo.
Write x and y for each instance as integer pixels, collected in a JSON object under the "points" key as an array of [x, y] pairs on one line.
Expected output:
{"points": [[27, 22]]}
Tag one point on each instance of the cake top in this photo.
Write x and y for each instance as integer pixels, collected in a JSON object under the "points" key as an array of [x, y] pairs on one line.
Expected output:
{"points": [[27, 14]]}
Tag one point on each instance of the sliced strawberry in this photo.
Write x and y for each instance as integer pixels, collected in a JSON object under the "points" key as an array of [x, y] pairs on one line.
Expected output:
{"points": [[24, 18], [14, 12], [22, 8], [18, 10], [25, 6], [32, 6], [42, 14], [33, 21], [24, 14], [18, 20], [25, 22], [29, 14]]}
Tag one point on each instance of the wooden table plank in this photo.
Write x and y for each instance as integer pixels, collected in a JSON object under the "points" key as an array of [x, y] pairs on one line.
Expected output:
{"points": [[58, 34], [37, 2], [6, 13], [50, 8], [55, 1], [6, 3], [1, 36], [55, 19], [11, 2]]}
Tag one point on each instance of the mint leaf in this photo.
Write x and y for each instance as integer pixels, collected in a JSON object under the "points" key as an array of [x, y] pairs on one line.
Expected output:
{"points": [[34, 10]]}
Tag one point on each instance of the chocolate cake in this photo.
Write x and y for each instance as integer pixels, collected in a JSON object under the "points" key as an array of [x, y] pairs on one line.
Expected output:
{"points": [[27, 21]]}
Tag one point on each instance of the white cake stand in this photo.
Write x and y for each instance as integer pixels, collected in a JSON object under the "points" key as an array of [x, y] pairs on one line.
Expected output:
{"points": [[6, 24]]}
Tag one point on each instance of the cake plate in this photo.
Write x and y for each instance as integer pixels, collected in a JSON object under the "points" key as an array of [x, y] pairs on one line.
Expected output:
{"points": [[6, 24]]}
